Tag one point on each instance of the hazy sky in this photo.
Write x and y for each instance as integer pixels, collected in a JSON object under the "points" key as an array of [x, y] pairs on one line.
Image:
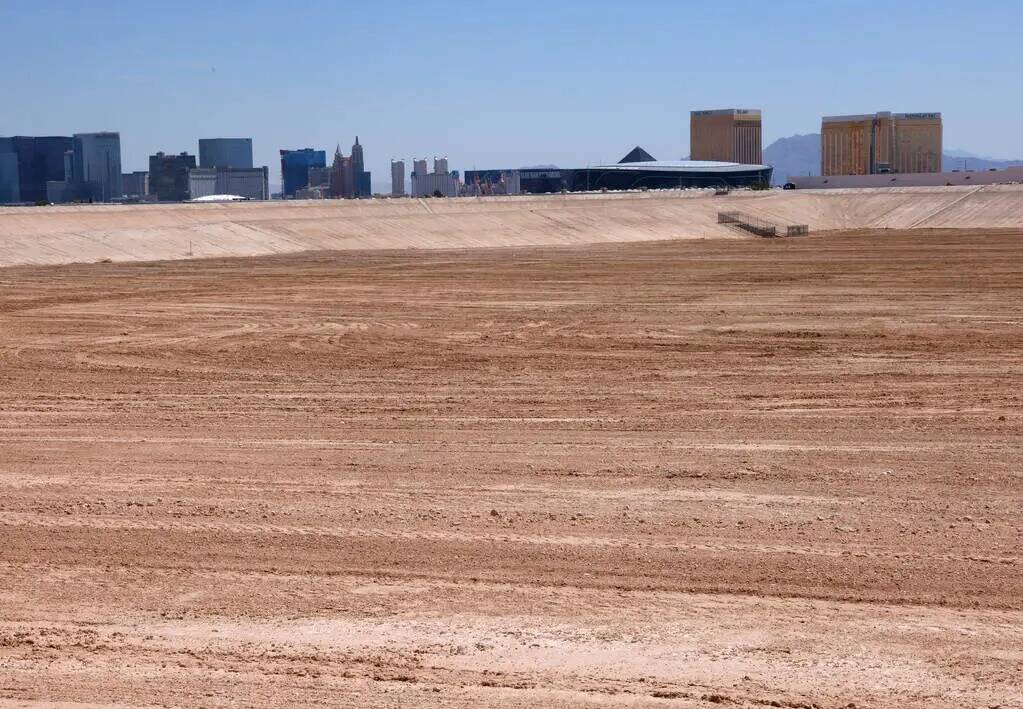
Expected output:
{"points": [[500, 84]]}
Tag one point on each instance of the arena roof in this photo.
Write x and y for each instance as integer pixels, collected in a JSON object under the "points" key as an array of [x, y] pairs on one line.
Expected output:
{"points": [[221, 198], [682, 166], [637, 154]]}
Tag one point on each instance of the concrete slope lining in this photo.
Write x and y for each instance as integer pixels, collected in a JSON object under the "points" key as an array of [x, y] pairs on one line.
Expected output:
{"points": [[948, 207], [85, 233]]}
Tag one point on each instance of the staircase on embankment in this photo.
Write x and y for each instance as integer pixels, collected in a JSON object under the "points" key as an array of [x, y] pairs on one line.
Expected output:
{"points": [[759, 226]]}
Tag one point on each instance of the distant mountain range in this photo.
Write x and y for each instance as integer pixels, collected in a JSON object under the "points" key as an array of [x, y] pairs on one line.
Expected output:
{"points": [[961, 160], [801, 155], [795, 155]]}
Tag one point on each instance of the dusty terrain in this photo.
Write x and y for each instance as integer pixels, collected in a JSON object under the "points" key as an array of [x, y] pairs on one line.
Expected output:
{"points": [[691, 473]]}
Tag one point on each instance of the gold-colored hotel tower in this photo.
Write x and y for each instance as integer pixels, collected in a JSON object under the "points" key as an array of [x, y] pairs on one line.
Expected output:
{"points": [[726, 135], [879, 143]]}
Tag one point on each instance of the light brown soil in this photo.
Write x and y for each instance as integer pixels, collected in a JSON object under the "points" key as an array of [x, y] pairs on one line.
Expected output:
{"points": [[721, 473]]}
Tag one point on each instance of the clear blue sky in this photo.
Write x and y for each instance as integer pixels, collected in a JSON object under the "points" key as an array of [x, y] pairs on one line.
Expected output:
{"points": [[500, 84]]}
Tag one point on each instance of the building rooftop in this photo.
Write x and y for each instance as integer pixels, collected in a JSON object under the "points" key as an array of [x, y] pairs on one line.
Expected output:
{"points": [[751, 112], [681, 166], [637, 154], [881, 114]]}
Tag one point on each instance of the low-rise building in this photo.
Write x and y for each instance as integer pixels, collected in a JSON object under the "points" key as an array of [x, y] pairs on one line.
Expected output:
{"points": [[250, 183], [479, 183], [135, 184], [318, 192]]}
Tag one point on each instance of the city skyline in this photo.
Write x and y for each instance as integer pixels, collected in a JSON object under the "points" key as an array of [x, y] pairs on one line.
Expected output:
{"points": [[580, 84]]}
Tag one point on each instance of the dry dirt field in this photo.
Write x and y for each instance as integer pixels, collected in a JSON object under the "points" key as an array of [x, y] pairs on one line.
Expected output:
{"points": [[694, 474]]}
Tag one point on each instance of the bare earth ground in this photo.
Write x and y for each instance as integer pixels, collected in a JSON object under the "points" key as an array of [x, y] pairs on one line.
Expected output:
{"points": [[723, 473]]}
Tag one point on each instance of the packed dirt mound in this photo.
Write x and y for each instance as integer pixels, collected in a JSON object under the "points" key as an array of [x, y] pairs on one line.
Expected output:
{"points": [[67, 234]]}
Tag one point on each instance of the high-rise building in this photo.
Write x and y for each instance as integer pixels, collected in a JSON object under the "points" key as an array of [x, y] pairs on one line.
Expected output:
{"points": [[397, 178], [28, 164], [168, 176], [342, 181], [439, 183], [419, 167], [225, 152], [878, 143], [295, 166], [363, 187], [96, 165], [726, 135], [84, 167], [358, 160]]}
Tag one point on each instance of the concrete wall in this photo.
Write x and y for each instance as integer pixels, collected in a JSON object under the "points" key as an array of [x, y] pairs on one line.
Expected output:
{"points": [[917, 179]]}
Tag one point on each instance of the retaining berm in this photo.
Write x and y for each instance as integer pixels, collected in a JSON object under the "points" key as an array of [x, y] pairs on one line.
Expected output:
{"points": [[86, 233]]}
